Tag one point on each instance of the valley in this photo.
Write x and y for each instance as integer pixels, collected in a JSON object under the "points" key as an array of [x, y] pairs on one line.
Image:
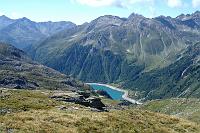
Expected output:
{"points": [[114, 74]]}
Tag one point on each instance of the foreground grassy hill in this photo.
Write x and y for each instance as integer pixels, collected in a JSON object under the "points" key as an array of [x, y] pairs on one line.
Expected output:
{"points": [[34, 111]]}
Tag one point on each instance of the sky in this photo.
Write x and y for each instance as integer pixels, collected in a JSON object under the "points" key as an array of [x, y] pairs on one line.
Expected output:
{"points": [[80, 11]]}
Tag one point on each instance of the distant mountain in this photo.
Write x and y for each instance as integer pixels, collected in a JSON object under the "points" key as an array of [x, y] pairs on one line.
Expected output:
{"points": [[23, 32], [5, 21], [18, 71], [113, 49]]}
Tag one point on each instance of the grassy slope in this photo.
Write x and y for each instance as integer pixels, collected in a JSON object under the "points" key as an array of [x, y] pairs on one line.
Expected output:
{"points": [[185, 108], [33, 111]]}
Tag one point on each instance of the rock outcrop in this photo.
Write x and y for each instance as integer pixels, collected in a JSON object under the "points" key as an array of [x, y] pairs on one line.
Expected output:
{"points": [[77, 98]]}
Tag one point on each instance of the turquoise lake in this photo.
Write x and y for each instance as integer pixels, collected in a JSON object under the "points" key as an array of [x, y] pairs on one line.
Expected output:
{"points": [[116, 95]]}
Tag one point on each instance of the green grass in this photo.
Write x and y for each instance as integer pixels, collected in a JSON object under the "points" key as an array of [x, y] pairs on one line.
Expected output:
{"points": [[25, 100], [127, 121], [36, 112]]}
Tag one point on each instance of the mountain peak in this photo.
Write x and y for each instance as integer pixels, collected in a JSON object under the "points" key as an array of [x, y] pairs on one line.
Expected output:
{"points": [[107, 20], [108, 17], [5, 21], [135, 16], [3, 17], [162, 16], [24, 19]]}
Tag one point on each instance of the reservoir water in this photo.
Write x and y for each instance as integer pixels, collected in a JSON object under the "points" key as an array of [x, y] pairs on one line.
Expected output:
{"points": [[115, 94]]}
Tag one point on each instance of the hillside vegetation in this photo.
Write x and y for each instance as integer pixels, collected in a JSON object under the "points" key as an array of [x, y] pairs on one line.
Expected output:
{"points": [[33, 111], [180, 107]]}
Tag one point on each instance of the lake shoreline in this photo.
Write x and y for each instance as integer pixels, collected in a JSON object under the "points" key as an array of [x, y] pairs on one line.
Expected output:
{"points": [[124, 96]]}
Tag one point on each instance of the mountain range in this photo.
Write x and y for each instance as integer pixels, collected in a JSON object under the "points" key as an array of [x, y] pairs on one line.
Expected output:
{"points": [[23, 32], [157, 57]]}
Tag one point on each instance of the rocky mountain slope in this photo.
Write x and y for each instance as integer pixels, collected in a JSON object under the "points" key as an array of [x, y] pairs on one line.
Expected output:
{"points": [[22, 33], [117, 46], [18, 71], [121, 50]]}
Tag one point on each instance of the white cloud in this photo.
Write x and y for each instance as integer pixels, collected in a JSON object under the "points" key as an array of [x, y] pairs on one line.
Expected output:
{"points": [[15, 15], [196, 3], [117, 3], [174, 3]]}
